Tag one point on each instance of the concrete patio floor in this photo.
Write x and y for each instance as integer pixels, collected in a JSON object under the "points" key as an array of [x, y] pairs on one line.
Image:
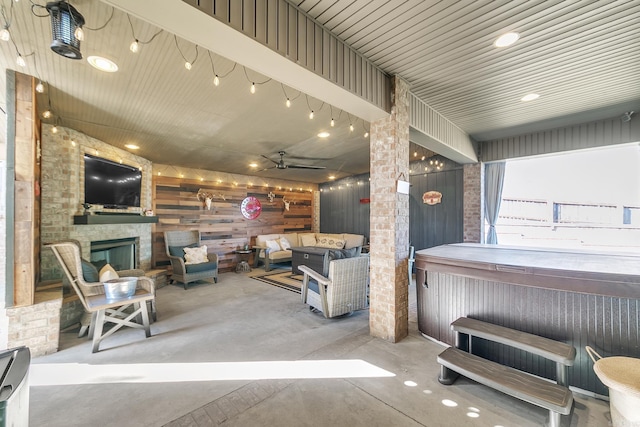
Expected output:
{"points": [[245, 353]]}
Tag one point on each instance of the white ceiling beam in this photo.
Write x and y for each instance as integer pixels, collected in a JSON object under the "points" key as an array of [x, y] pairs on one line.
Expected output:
{"points": [[187, 22]]}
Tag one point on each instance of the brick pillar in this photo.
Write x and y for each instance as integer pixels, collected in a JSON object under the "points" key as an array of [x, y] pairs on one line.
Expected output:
{"points": [[388, 316], [473, 203]]}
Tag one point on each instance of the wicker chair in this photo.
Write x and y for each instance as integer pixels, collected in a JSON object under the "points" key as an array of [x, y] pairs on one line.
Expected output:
{"points": [[174, 242], [343, 291], [94, 301]]}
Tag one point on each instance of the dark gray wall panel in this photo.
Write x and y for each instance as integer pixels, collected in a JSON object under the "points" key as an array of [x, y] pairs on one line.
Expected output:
{"points": [[609, 325]]}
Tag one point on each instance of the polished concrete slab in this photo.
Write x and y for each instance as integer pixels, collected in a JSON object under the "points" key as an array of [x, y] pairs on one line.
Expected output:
{"points": [[245, 353]]}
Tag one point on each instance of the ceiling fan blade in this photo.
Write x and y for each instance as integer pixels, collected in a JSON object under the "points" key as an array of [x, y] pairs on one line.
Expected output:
{"points": [[305, 167], [269, 159], [266, 169]]}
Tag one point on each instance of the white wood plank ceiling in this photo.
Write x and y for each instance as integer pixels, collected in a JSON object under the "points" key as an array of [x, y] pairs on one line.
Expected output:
{"points": [[583, 58]]}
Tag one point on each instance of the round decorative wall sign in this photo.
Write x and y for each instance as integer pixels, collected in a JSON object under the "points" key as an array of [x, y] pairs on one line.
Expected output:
{"points": [[251, 207]]}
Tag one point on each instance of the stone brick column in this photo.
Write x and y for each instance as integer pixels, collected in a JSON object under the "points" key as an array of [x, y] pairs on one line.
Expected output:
{"points": [[473, 226], [388, 316]]}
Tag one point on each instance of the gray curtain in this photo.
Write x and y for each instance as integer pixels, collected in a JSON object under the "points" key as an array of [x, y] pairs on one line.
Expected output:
{"points": [[493, 182]]}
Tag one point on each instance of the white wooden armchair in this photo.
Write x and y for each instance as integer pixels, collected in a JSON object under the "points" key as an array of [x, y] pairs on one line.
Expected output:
{"points": [[175, 242], [343, 291], [94, 301]]}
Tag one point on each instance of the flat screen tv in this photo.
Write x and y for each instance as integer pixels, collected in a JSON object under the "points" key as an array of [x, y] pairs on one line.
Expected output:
{"points": [[111, 184]]}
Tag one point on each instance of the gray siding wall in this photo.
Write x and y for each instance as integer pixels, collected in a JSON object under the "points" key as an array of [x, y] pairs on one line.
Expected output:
{"points": [[587, 135], [342, 212]]}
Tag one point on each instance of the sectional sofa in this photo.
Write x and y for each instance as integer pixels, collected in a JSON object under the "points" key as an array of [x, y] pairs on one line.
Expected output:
{"points": [[276, 248]]}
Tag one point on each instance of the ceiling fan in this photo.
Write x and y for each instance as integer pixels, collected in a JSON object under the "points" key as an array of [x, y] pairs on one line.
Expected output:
{"points": [[282, 165]]}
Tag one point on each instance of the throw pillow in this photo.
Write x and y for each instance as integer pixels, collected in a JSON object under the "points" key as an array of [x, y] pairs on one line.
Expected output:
{"points": [[108, 273], [308, 239], [284, 244], [89, 272], [273, 245], [196, 255], [179, 250], [329, 242]]}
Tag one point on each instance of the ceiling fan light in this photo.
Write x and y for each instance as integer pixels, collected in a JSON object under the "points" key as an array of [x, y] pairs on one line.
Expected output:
{"points": [[66, 29]]}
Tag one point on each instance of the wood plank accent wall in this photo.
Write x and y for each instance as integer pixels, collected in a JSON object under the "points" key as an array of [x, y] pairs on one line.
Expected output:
{"points": [[280, 26], [587, 135], [223, 228]]}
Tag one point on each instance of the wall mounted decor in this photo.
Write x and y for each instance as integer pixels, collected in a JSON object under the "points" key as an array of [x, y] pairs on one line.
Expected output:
{"points": [[251, 207], [432, 198]]}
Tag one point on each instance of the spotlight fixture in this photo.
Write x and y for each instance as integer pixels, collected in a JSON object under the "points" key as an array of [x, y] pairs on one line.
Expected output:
{"points": [[530, 97], [5, 35], [66, 29], [506, 40]]}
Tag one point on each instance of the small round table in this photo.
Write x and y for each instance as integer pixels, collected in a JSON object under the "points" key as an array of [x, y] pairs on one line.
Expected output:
{"points": [[243, 264]]}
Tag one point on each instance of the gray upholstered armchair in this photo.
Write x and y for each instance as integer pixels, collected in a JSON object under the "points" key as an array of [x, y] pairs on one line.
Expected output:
{"points": [[343, 291], [175, 242]]}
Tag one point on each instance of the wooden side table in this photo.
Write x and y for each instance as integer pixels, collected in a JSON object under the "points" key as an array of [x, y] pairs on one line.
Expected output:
{"points": [[243, 265]]}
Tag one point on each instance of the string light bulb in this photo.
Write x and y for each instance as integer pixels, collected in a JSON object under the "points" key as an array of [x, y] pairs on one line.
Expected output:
{"points": [[366, 134], [288, 103], [40, 87], [46, 114], [253, 88], [333, 123], [216, 80], [79, 34], [311, 115], [187, 65], [135, 46], [20, 61], [350, 127], [5, 35], [54, 129]]}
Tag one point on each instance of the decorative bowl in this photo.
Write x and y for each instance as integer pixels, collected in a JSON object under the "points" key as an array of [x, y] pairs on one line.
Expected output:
{"points": [[122, 287]]}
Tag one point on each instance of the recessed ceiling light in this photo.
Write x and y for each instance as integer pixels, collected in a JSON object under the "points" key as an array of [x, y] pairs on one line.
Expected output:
{"points": [[132, 146], [506, 40], [530, 97], [324, 134], [332, 177], [103, 64], [253, 165]]}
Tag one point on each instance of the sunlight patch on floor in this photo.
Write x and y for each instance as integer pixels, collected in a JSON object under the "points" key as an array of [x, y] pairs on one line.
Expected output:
{"points": [[50, 374]]}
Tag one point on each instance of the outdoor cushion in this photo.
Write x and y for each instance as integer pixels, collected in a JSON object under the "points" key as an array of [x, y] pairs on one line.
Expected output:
{"points": [[273, 245], [108, 273], [179, 250], [308, 239], [284, 244], [353, 240], [203, 266], [90, 272], [342, 253], [196, 255], [280, 255], [330, 242]]}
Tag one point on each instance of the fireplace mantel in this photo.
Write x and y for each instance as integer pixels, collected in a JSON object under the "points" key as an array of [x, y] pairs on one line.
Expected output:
{"points": [[113, 219]]}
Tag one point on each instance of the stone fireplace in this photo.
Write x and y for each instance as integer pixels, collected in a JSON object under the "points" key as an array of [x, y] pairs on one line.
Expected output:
{"points": [[121, 254]]}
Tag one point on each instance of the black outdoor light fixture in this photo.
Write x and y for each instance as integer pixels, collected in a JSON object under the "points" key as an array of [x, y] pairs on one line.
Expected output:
{"points": [[66, 24]]}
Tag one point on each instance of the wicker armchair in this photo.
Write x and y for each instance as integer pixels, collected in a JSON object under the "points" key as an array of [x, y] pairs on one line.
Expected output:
{"points": [[174, 242], [94, 301], [343, 291]]}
